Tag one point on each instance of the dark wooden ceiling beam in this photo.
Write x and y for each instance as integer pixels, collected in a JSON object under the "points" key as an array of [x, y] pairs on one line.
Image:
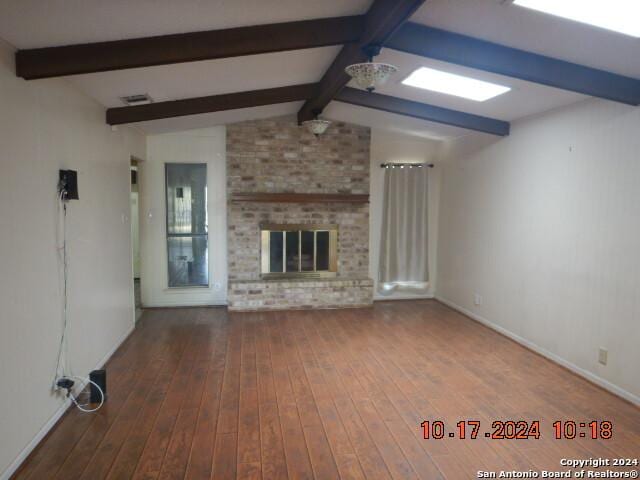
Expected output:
{"points": [[270, 96], [491, 57], [423, 111], [213, 103], [186, 47], [381, 21]]}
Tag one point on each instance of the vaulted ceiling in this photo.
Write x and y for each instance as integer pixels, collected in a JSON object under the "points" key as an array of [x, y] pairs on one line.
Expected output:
{"points": [[32, 24]]}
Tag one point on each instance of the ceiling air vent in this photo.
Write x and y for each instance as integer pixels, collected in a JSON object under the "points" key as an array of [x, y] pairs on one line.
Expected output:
{"points": [[133, 100]]}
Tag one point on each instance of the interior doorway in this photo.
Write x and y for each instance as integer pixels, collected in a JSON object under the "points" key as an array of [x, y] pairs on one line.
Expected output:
{"points": [[135, 235]]}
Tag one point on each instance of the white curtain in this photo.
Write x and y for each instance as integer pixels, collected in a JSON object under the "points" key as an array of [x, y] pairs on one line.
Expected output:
{"points": [[404, 245]]}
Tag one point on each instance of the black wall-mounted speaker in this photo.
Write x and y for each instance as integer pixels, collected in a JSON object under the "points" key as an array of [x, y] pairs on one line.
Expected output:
{"points": [[100, 378], [69, 184]]}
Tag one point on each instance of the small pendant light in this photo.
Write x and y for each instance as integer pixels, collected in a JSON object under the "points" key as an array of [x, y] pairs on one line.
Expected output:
{"points": [[370, 75]]}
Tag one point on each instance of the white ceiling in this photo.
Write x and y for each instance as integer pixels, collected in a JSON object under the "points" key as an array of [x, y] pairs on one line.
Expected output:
{"points": [[211, 77], [46, 23], [36, 23]]}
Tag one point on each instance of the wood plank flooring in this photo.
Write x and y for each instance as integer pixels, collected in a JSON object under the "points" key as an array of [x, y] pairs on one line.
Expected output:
{"points": [[203, 394]]}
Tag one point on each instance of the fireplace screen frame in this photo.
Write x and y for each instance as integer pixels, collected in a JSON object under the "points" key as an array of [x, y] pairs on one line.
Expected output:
{"points": [[265, 255]]}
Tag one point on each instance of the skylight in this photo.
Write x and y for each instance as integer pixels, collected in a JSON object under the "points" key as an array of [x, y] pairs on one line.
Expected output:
{"points": [[621, 16], [452, 84]]}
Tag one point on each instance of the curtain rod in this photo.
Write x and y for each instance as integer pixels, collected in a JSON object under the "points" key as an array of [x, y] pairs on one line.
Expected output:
{"points": [[410, 165]]}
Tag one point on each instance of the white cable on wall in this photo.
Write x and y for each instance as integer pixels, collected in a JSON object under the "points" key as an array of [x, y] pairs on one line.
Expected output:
{"points": [[62, 365]]}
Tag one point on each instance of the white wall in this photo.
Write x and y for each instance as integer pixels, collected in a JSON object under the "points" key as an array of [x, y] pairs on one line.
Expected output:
{"points": [[545, 225], [394, 147], [193, 146], [46, 125]]}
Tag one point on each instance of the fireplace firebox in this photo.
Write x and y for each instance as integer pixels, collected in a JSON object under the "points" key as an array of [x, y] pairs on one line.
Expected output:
{"points": [[293, 251]]}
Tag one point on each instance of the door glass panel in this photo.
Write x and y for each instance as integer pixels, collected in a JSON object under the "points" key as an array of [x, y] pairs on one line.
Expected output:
{"points": [[187, 238], [188, 261], [186, 198]]}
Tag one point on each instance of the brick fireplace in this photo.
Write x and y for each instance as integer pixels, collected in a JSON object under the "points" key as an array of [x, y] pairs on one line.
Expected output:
{"points": [[327, 182]]}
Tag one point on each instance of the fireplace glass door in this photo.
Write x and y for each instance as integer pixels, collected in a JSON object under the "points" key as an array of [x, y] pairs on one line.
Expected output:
{"points": [[299, 250]]}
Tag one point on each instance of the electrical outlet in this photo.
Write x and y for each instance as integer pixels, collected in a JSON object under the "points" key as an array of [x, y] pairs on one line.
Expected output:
{"points": [[602, 355], [477, 299]]}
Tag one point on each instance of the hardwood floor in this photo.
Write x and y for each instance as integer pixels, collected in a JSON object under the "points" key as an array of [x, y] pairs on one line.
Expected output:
{"points": [[200, 393]]}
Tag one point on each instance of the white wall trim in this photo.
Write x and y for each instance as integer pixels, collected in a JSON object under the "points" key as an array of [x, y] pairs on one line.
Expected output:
{"points": [[601, 382], [22, 456]]}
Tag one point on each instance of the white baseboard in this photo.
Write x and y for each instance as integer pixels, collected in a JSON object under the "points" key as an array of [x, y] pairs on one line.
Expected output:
{"points": [[13, 467], [601, 382]]}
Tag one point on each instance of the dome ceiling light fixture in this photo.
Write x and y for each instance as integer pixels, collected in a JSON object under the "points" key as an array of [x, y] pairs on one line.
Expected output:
{"points": [[370, 75], [317, 126]]}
